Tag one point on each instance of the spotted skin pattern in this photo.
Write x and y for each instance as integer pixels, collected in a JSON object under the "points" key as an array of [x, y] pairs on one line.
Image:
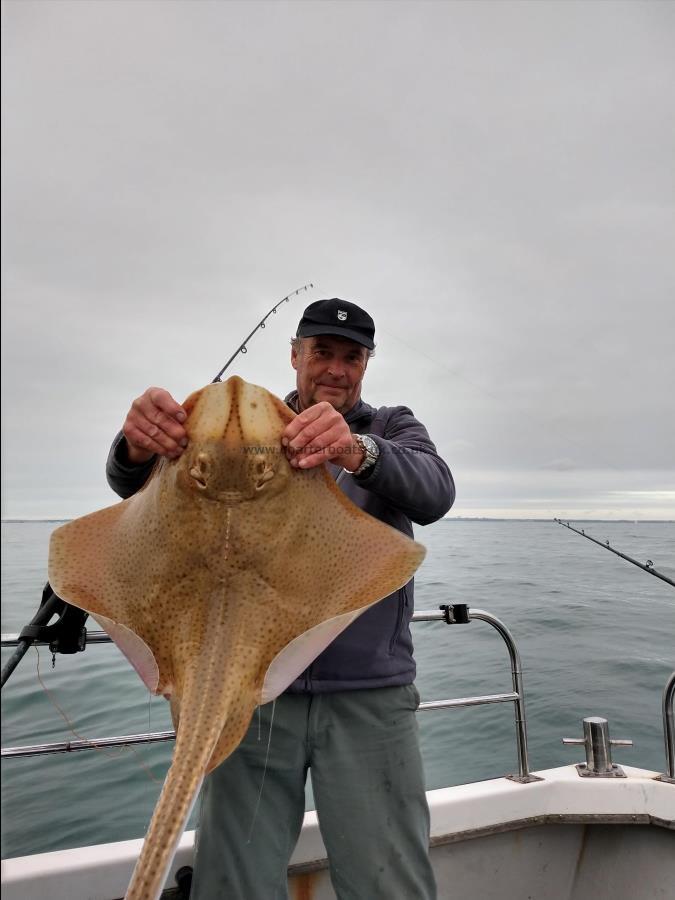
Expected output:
{"points": [[221, 580]]}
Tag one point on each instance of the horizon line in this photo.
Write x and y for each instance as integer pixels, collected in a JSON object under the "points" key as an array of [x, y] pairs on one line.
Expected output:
{"points": [[17, 520]]}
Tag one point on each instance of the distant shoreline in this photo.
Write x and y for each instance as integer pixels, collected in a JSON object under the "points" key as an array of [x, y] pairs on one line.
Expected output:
{"points": [[34, 521]]}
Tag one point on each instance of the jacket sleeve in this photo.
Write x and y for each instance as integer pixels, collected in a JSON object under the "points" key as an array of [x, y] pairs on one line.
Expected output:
{"points": [[125, 477], [409, 473]]}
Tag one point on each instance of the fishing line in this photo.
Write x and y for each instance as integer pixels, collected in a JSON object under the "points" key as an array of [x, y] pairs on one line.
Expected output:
{"points": [[111, 755], [242, 347], [262, 783]]}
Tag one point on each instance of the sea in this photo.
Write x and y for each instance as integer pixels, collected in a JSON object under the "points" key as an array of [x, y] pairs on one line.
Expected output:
{"points": [[595, 633]]}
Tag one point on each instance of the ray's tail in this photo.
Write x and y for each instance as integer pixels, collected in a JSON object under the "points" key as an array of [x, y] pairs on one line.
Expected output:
{"points": [[198, 733]]}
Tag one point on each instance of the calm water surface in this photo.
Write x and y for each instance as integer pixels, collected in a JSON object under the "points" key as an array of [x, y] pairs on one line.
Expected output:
{"points": [[596, 637]]}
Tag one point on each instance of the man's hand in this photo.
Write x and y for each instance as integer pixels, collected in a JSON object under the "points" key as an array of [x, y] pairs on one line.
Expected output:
{"points": [[154, 426], [320, 434]]}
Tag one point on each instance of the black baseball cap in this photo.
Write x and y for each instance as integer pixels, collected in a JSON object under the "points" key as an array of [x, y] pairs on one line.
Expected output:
{"points": [[338, 317]]}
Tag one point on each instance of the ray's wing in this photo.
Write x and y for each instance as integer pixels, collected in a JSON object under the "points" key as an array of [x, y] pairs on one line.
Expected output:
{"points": [[107, 563], [338, 561]]}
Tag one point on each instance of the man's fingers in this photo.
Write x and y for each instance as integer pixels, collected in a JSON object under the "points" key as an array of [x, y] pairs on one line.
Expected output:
{"points": [[159, 421], [301, 421], [158, 406], [146, 432], [164, 401], [313, 429], [330, 445], [309, 444], [154, 424], [319, 434], [158, 447], [311, 459], [309, 462]]}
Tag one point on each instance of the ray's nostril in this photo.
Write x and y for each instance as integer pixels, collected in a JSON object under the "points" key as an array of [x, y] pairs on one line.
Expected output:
{"points": [[200, 470], [198, 477], [266, 476]]}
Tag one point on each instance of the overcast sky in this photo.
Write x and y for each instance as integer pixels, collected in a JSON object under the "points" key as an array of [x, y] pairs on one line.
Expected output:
{"points": [[492, 181]]}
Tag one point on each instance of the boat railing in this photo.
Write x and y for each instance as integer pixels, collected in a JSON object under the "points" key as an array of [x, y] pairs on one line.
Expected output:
{"points": [[669, 729], [456, 614]]}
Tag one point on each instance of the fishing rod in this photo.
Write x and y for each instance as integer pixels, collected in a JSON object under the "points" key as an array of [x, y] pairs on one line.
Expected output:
{"points": [[67, 634], [648, 567], [242, 347]]}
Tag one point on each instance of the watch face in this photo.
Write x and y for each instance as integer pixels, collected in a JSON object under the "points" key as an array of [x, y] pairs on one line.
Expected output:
{"points": [[371, 452], [371, 447]]}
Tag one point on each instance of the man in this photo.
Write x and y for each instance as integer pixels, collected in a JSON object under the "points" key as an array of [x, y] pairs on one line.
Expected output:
{"points": [[350, 716]]}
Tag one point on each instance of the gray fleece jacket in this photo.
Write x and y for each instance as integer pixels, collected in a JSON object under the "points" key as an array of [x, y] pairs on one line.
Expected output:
{"points": [[408, 483]]}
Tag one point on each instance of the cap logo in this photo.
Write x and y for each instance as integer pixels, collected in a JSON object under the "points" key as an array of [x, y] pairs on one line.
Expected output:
{"points": [[342, 315]]}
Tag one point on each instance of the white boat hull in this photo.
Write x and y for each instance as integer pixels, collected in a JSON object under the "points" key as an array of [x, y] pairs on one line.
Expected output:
{"points": [[561, 838]]}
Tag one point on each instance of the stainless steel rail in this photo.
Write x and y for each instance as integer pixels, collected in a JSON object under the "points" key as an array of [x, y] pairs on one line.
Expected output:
{"points": [[93, 637], [516, 697], [669, 729], [124, 740]]}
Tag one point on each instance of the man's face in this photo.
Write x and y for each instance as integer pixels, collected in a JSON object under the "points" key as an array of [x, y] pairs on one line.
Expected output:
{"points": [[329, 368]]}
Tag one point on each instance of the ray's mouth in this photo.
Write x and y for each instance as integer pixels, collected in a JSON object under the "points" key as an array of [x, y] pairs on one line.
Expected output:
{"points": [[230, 498]]}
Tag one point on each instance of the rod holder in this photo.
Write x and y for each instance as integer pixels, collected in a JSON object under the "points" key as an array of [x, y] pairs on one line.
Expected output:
{"points": [[455, 613]]}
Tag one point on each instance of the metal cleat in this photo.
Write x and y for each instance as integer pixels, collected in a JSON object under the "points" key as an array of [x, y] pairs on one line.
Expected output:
{"points": [[598, 746]]}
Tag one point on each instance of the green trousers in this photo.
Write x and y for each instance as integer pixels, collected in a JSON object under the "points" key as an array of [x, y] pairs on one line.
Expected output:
{"points": [[362, 748]]}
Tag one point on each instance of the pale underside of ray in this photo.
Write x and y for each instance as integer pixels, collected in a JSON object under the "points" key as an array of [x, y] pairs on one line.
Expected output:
{"points": [[221, 580]]}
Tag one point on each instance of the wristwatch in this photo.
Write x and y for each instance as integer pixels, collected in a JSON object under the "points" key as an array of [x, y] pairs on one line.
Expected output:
{"points": [[371, 451]]}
